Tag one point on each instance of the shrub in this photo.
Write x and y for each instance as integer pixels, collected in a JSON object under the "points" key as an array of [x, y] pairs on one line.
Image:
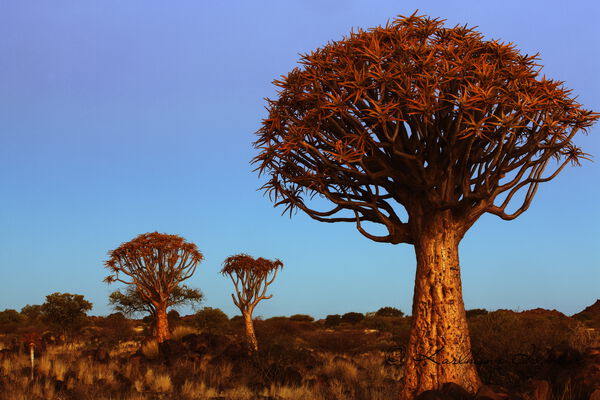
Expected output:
{"points": [[115, 328], [66, 311], [476, 311], [210, 319], [333, 320], [10, 320], [173, 317], [501, 337], [352, 317], [342, 341], [385, 324], [389, 312], [9, 316], [32, 313], [301, 318]]}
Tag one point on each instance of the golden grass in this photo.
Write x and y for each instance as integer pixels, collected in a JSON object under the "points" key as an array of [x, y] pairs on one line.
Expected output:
{"points": [[44, 365], [292, 393], [150, 349], [197, 390], [161, 383], [335, 376], [345, 369], [183, 330]]}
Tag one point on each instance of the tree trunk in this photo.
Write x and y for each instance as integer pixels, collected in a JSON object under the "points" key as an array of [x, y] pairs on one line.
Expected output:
{"points": [[162, 323], [439, 348], [32, 357], [250, 336]]}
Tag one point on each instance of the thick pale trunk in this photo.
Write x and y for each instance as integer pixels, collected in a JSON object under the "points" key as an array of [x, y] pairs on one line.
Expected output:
{"points": [[162, 323], [439, 348], [250, 336]]}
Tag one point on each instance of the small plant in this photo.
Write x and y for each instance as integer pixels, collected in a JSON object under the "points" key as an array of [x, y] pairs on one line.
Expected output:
{"points": [[150, 349]]}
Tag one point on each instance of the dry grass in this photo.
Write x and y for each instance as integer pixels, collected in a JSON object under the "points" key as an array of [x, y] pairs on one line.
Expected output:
{"points": [[150, 349], [183, 330], [62, 373], [193, 390]]}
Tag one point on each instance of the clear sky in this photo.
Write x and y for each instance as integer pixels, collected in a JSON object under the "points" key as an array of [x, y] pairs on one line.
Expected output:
{"points": [[124, 117]]}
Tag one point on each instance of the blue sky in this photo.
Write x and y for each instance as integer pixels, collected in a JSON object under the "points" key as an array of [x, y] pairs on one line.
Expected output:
{"points": [[119, 118]]}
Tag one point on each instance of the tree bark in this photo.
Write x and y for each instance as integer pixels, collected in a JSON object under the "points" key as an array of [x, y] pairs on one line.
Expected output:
{"points": [[439, 349], [162, 323], [250, 336]]}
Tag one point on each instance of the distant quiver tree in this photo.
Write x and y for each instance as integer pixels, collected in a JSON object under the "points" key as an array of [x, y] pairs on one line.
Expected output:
{"points": [[130, 302], [412, 131], [250, 277], [155, 264]]}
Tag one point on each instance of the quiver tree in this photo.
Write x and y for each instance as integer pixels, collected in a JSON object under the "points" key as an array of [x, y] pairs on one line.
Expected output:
{"points": [[251, 277], [420, 129], [131, 302], [155, 264]]}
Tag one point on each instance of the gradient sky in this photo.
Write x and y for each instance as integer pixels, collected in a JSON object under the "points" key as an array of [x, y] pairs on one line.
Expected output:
{"points": [[119, 118]]}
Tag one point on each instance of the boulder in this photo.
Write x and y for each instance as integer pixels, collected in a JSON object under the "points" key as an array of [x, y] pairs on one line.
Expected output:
{"points": [[494, 392], [171, 350], [433, 395], [595, 395], [456, 392], [566, 367], [206, 343], [539, 389]]}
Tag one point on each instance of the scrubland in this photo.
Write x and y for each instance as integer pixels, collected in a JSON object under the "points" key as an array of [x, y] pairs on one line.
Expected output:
{"points": [[298, 358]]}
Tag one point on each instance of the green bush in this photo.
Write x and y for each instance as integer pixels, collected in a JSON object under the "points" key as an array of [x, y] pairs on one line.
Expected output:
{"points": [[352, 317], [389, 312], [65, 312], [510, 346], [301, 318], [333, 320], [114, 329], [174, 318], [476, 311], [384, 324], [211, 319], [10, 320]]}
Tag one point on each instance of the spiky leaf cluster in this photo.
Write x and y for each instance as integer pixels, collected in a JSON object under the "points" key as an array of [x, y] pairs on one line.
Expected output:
{"points": [[155, 263], [418, 115]]}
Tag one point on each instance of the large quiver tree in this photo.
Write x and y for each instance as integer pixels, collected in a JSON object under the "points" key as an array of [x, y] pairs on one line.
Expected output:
{"points": [[155, 263], [432, 123]]}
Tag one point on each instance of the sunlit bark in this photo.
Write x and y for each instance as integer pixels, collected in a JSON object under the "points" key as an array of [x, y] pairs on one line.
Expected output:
{"points": [[156, 264], [421, 129], [251, 277]]}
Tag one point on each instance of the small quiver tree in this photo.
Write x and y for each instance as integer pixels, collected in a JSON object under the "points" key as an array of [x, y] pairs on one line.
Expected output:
{"points": [[420, 129], [156, 264], [251, 277]]}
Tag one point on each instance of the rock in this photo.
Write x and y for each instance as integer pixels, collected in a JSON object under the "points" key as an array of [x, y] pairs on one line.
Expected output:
{"points": [[433, 395], [171, 350], [568, 368], [563, 355], [595, 395], [455, 391], [493, 392], [540, 390], [206, 343]]}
